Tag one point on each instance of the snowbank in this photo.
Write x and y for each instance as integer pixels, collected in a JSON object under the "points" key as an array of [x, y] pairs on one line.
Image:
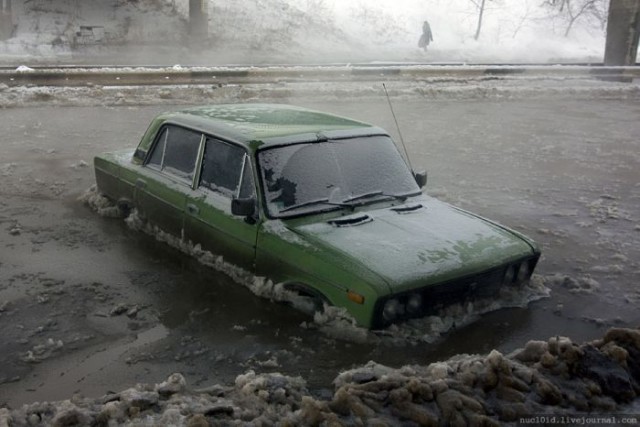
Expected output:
{"points": [[428, 88], [553, 378]]}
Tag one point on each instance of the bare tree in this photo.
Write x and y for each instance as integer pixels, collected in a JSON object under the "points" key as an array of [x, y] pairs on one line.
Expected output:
{"points": [[573, 10], [480, 4], [520, 20]]}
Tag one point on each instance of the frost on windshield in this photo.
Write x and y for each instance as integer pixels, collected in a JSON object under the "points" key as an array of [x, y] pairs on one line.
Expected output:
{"points": [[310, 175]]}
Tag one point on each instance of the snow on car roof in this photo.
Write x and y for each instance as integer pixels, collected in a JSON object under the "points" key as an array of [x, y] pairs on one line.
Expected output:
{"points": [[268, 123]]}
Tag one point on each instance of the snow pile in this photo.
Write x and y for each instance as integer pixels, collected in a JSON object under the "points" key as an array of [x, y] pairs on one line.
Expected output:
{"points": [[555, 377], [546, 377], [43, 351], [581, 285], [292, 92]]}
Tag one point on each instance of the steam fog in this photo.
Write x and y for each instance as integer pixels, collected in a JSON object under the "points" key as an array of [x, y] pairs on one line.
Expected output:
{"points": [[92, 305], [295, 31]]}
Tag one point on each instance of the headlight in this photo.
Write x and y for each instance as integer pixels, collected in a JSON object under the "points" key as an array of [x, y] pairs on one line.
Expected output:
{"points": [[414, 304], [509, 275], [392, 309], [523, 272]]}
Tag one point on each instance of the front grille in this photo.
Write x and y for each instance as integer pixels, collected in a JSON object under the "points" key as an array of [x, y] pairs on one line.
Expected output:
{"points": [[435, 297]]}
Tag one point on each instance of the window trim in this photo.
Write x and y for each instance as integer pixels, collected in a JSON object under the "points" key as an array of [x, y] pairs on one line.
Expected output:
{"points": [[161, 169], [247, 170], [242, 171], [245, 158], [195, 184], [157, 140]]}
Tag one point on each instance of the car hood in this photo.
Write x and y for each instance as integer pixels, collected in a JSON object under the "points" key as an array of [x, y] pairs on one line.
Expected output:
{"points": [[420, 243]]}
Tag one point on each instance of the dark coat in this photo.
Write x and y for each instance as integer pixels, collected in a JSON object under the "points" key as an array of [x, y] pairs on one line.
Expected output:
{"points": [[426, 37]]}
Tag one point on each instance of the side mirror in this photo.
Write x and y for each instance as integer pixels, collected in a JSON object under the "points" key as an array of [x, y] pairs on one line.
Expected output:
{"points": [[421, 178], [243, 207]]}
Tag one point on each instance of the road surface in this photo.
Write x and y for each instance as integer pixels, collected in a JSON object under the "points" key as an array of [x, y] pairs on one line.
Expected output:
{"points": [[89, 305]]}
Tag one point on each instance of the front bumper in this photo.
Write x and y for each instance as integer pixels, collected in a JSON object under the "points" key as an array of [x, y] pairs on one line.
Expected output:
{"points": [[434, 297]]}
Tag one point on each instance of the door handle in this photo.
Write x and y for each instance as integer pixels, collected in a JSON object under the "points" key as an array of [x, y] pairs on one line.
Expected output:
{"points": [[192, 209], [140, 183]]}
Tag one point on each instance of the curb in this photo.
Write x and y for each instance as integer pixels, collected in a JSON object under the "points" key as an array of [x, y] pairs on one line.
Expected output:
{"points": [[109, 76]]}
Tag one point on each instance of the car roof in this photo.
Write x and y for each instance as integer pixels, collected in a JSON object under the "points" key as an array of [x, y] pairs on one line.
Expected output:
{"points": [[255, 125]]}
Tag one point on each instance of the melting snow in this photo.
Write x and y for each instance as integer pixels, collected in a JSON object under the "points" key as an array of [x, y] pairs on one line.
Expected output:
{"points": [[545, 378]]}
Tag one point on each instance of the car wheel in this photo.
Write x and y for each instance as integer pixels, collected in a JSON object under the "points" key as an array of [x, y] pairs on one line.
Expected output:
{"points": [[311, 300], [124, 208]]}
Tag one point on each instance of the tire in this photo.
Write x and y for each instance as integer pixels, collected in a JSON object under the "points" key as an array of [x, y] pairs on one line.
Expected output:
{"points": [[124, 208]]}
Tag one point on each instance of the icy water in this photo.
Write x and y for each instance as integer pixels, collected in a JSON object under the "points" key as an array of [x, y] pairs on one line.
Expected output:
{"points": [[89, 305]]}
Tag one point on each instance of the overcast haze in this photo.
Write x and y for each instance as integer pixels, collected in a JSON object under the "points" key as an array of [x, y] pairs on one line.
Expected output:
{"points": [[264, 31]]}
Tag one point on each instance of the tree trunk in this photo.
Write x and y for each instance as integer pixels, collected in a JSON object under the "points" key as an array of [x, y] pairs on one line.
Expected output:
{"points": [[479, 27], [623, 32], [198, 19], [568, 30], [6, 20]]}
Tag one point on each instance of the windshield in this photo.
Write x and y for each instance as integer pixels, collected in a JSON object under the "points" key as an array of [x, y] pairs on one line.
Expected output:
{"points": [[318, 176]]}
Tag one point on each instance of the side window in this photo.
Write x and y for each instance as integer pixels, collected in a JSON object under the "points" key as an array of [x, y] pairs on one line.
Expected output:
{"points": [[222, 166], [158, 151], [181, 152], [176, 151]]}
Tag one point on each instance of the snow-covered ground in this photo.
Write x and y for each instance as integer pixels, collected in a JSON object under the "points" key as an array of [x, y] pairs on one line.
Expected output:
{"points": [[544, 381], [437, 88], [298, 31]]}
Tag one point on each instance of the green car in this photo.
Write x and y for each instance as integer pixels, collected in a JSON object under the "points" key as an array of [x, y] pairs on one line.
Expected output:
{"points": [[322, 204]]}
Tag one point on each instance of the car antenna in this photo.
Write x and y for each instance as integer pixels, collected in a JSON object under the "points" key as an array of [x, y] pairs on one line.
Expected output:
{"points": [[404, 147]]}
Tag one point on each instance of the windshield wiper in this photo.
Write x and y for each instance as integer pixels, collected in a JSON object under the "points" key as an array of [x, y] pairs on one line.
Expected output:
{"points": [[348, 202], [321, 201], [401, 196], [363, 196]]}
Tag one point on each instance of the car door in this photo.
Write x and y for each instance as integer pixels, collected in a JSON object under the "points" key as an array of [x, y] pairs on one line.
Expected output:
{"points": [[226, 172], [167, 177]]}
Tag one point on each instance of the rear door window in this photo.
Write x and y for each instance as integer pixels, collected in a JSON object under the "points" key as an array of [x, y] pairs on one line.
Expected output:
{"points": [[176, 151]]}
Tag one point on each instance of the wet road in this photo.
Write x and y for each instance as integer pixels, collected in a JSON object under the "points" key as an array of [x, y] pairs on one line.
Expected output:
{"points": [[89, 305]]}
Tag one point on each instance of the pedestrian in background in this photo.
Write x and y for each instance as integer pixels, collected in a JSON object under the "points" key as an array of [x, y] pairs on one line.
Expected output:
{"points": [[426, 37]]}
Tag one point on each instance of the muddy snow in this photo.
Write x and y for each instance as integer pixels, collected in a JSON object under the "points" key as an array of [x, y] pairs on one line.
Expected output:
{"points": [[548, 379], [91, 304]]}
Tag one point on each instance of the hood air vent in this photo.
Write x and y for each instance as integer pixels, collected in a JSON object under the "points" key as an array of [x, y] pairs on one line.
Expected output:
{"points": [[350, 222], [407, 209]]}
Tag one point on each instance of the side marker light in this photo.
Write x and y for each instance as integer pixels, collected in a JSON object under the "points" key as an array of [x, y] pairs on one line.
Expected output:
{"points": [[355, 297]]}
